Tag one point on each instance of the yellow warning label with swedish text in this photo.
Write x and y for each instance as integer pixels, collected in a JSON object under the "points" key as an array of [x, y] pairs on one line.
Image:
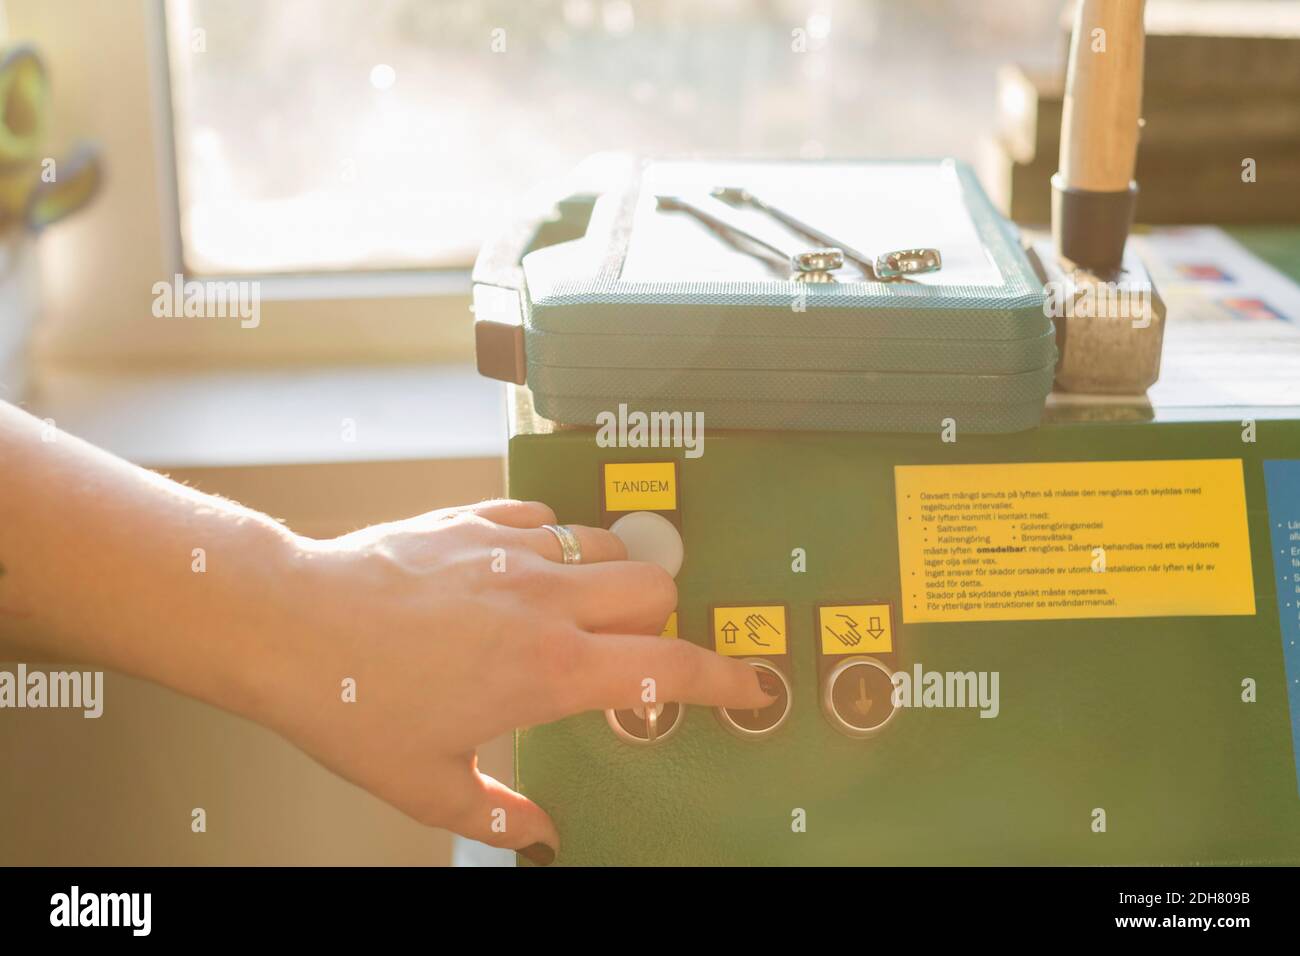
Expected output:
{"points": [[1060, 540]]}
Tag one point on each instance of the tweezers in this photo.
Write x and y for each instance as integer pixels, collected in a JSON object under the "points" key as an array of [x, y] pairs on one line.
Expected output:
{"points": [[889, 267]]}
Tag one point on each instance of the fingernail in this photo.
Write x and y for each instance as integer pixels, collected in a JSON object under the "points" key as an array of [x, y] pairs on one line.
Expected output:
{"points": [[769, 684], [539, 853]]}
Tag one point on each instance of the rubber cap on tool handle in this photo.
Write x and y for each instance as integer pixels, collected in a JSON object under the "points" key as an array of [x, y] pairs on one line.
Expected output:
{"points": [[1089, 228]]}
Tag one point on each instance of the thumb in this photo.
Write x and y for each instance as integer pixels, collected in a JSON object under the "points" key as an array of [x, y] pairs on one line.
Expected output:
{"points": [[496, 815]]}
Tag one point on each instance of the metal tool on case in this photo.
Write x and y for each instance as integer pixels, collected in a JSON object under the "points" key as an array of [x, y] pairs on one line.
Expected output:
{"points": [[813, 265], [894, 266], [694, 327]]}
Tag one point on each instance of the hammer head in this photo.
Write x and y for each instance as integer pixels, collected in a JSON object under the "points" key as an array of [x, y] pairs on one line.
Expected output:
{"points": [[1110, 326]]}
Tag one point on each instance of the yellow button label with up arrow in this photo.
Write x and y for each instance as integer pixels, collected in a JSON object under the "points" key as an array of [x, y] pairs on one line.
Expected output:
{"points": [[749, 631]]}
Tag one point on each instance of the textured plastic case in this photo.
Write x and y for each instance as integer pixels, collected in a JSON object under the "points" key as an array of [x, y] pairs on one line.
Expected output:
{"points": [[598, 328]]}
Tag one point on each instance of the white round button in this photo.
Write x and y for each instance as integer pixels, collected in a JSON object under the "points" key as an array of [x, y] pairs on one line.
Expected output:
{"points": [[651, 537]]}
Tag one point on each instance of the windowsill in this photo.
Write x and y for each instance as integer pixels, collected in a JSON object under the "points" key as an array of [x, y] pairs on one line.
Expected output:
{"points": [[283, 416], [354, 285]]}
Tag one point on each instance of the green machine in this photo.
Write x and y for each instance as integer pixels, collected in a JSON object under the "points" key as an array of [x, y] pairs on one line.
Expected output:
{"points": [[1063, 642]]}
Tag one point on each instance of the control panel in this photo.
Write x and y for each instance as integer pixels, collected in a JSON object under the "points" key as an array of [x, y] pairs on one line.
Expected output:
{"points": [[853, 641], [1067, 645]]}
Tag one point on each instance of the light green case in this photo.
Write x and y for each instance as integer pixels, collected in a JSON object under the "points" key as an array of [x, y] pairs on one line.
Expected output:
{"points": [[577, 316]]}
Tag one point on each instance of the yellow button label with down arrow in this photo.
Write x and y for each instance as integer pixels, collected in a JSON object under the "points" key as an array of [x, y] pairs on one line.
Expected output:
{"points": [[855, 629]]}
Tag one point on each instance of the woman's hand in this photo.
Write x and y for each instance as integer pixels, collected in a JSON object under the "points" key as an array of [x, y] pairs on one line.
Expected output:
{"points": [[453, 627], [460, 625]]}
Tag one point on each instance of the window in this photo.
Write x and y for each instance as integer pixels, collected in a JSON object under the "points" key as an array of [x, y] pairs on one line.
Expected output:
{"points": [[328, 135]]}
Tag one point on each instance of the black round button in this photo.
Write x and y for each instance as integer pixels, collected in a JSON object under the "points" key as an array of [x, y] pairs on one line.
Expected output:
{"points": [[859, 696], [751, 723], [631, 724]]}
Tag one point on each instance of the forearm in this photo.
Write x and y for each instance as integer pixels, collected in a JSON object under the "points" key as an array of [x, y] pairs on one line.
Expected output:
{"points": [[110, 564], [389, 654]]}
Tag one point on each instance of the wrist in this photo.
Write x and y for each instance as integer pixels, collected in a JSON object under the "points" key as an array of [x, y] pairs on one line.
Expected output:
{"points": [[258, 640], [295, 610]]}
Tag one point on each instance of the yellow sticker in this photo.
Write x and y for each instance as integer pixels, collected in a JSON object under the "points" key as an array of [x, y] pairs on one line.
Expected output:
{"points": [[670, 627], [747, 631], [641, 486], [1073, 540], [855, 629]]}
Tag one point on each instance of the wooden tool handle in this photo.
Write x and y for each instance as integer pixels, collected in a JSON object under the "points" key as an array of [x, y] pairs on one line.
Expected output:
{"points": [[1103, 96]]}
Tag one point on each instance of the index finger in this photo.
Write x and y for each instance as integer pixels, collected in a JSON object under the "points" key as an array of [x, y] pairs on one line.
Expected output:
{"points": [[615, 667]]}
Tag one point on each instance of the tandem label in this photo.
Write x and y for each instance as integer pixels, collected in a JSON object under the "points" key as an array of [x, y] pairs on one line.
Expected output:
{"points": [[1073, 540], [640, 486]]}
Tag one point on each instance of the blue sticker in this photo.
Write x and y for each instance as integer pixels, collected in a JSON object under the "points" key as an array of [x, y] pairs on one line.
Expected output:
{"points": [[1282, 481]]}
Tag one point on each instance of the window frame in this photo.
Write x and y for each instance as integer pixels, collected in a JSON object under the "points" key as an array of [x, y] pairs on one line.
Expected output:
{"points": [[341, 297], [101, 313]]}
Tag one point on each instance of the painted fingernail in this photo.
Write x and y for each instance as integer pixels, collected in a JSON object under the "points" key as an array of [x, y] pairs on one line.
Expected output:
{"points": [[539, 853], [769, 684]]}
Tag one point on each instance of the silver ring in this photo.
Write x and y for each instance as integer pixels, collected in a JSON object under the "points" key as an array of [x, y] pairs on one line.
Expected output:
{"points": [[569, 543]]}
